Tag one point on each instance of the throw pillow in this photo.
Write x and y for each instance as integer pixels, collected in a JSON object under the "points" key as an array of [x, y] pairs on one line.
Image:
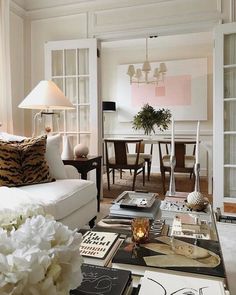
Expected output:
{"points": [[53, 157], [24, 162]]}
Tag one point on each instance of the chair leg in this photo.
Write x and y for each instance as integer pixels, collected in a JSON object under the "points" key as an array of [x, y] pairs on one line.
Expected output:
{"points": [[113, 175], [163, 178], [108, 179], [144, 175], [149, 164], [134, 179], [120, 173]]}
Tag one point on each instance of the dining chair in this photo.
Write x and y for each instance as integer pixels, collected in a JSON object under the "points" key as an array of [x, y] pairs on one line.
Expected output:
{"points": [[146, 154], [118, 158], [184, 159]]}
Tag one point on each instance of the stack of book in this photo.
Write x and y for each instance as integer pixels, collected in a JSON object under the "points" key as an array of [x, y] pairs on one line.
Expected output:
{"points": [[136, 204], [104, 280], [99, 247]]}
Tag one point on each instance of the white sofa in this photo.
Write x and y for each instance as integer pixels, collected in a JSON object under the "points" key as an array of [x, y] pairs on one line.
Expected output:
{"points": [[70, 200]]}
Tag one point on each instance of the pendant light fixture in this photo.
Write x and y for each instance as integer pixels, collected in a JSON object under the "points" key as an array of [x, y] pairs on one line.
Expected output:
{"points": [[142, 75]]}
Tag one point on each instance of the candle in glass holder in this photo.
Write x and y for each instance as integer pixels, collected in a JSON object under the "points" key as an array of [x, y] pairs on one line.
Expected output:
{"points": [[140, 230]]}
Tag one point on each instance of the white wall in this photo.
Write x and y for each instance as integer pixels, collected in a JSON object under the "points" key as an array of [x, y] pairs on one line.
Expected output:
{"points": [[17, 70]]}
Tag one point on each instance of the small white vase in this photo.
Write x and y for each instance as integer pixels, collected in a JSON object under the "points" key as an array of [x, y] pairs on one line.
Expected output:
{"points": [[67, 152]]}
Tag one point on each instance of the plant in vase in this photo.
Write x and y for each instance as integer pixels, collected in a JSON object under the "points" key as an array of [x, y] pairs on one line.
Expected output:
{"points": [[148, 118]]}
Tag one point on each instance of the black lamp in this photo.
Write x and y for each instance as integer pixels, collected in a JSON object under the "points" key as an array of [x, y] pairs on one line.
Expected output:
{"points": [[109, 106]]}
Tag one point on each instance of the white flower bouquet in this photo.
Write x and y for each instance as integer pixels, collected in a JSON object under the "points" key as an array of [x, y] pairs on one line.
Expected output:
{"points": [[38, 256]]}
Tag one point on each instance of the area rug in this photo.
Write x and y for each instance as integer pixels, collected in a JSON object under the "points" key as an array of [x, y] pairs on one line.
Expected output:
{"points": [[182, 183]]}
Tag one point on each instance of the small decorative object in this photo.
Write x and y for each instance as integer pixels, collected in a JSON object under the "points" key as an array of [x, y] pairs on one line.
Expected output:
{"points": [[81, 151], [140, 230], [38, 254], [148, 118], [67, 152], [197, 201]]}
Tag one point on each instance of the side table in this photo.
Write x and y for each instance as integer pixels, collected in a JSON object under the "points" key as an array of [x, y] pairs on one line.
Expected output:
{"points": [[84, 165]]}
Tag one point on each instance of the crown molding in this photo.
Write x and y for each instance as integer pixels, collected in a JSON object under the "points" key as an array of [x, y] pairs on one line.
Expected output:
{"points": [[17, 9]]}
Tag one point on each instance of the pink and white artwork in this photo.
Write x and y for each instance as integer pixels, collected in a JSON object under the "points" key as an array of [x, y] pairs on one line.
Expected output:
{"points": [[183, 91]]}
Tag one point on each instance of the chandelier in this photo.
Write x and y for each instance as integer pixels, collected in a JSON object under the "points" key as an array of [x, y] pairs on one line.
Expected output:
{"points": [[136, 76]]}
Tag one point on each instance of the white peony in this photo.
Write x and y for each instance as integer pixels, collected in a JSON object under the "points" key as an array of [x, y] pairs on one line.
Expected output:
{"points": [[39, 257]]}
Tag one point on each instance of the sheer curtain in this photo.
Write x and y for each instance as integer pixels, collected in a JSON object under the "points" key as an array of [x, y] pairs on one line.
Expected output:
{"points": [[5, 71]]}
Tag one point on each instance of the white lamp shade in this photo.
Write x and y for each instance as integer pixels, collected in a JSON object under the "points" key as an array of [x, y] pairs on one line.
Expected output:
{"points": [[156, 73], [46, 95], [162, 67], [138, 74], [146, 66], [131, 71]]}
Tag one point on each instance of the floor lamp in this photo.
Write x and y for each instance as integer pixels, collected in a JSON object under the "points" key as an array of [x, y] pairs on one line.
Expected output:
{"points": [[107, 107], [47, 98]]}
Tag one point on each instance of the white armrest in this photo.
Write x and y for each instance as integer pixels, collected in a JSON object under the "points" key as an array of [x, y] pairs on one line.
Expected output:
{"points": [[71, 172]]}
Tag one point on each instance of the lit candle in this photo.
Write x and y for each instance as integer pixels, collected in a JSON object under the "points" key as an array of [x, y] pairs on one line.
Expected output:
{"points": [[140, 233], [197, 143], [172, 138]]}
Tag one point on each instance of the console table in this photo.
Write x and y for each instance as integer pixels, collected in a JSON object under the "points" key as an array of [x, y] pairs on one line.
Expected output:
{"points": [[86, 164]]}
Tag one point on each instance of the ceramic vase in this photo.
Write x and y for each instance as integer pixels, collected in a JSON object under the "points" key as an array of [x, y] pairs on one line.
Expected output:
{"points": [[67, 152], [81, 150]]}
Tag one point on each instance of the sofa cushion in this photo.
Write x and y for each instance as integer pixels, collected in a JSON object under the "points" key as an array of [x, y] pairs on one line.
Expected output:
{"points": [[53, 157], [62, 197], [23, 162]]}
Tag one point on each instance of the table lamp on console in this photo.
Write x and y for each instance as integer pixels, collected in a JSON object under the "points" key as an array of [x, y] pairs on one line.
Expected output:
{"points": [[46, 97]]}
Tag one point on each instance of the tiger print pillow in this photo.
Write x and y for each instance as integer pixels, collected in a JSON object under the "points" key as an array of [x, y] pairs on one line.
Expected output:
{"points": [[24, 162]]}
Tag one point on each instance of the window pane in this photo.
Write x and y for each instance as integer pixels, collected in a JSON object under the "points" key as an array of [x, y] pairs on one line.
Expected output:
{"points": [[70, 62], [70, 91], [83, 62], [84, 118], [229, 83], [229, 182], [229, 117], [71, 121], [230, 148], [83, 90], [85, 139], [230, 49], [57, 63]]}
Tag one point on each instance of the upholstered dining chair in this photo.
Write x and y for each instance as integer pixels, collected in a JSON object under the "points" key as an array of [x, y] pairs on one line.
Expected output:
{"points": [[185, 159], [118, 158], [145, 153]]}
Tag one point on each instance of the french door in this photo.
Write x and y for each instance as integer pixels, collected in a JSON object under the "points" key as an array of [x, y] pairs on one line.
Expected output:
{"points": [[224, 156], [73, 66]]}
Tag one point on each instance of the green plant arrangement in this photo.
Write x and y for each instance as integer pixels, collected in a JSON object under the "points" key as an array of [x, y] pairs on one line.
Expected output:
{"points": [[148, 118]]}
